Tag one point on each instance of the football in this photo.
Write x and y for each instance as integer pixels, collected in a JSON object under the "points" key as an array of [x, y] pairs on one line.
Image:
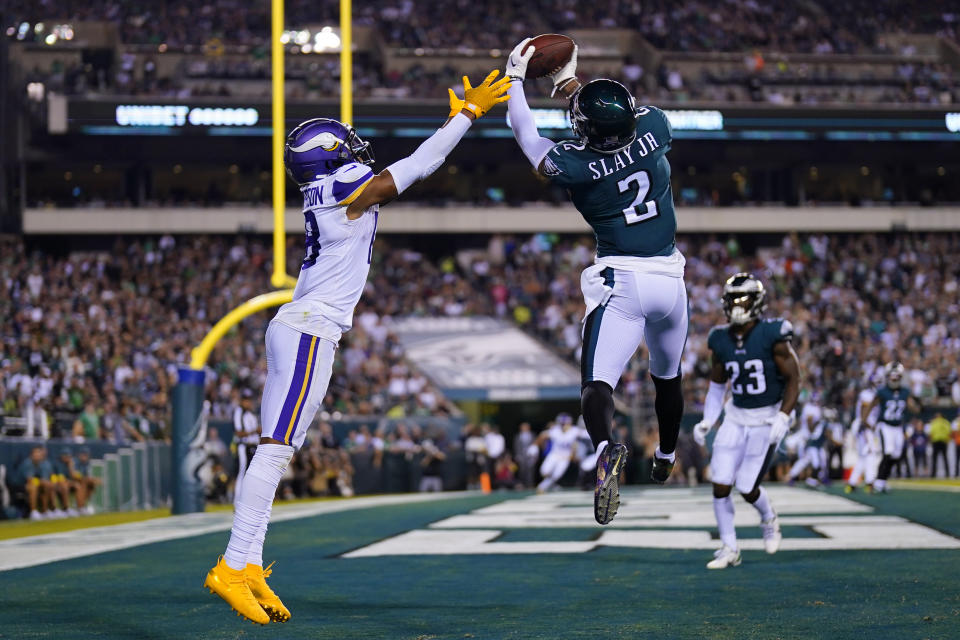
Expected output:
{"points": [[552, 52]]}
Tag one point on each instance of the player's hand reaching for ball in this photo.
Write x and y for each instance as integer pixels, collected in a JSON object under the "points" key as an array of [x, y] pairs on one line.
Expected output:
{"points": [[480, 99], [456, 103], [565, 74], [518, 59]]}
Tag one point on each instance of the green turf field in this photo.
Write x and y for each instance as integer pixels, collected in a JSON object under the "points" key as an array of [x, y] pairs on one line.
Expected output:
{"points": [[532, 568]]}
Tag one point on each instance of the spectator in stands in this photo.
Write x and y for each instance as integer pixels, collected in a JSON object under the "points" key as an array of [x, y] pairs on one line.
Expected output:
{"points": [[87, 426], [72, 483], [83, 476], [34, 476]]}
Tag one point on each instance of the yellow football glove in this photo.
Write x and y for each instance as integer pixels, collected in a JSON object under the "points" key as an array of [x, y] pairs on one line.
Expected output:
{"points": [[456, 104], [478, 100]]}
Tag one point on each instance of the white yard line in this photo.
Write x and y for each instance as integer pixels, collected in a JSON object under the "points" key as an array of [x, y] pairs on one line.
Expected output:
{"points": [[30, 551]]}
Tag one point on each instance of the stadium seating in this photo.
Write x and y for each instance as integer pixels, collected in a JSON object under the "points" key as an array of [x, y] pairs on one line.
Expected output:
{"points": [[809, 49]]}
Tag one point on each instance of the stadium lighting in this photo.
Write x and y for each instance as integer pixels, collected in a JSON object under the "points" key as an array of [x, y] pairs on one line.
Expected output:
{"points": [[326, 40], [51, 39], [64, 31], [35, 91]]}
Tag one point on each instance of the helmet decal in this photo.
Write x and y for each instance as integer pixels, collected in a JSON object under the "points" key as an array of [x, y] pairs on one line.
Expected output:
{"points": [[320, 146]]}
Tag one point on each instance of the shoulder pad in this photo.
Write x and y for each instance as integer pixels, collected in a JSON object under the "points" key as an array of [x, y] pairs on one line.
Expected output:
{"points": [[662, 121], [349, 181], [716, 334], [781, 329], [555, 163]]}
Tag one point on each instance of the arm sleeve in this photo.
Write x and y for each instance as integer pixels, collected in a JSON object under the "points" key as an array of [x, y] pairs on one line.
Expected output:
{"points": [[430, 154], [714, 402], [524, 127]]}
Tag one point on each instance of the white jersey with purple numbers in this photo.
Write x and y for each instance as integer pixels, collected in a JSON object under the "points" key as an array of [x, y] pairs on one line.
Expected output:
{"points": [[337, 256]]}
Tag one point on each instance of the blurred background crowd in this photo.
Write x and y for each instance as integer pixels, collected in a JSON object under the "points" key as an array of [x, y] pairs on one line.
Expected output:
{"points": [[94, 338], [758, 51]]}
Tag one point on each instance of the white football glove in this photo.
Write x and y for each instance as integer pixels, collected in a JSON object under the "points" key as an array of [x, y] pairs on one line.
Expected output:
{"points": [[779, 427], [566, 73], [700, 432], [518, 59]]}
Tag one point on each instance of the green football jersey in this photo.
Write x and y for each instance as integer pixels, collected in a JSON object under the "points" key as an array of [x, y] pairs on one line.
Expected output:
{"points": [[892, 404], [625, 196], [754, 378]]}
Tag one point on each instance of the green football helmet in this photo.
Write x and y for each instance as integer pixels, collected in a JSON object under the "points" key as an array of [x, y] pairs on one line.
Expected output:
{"points": [[604, 115]]}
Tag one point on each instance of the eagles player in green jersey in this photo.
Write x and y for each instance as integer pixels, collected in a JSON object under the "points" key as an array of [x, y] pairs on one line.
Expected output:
{"points": [[618, 177], [893, 400], [755, 355]]}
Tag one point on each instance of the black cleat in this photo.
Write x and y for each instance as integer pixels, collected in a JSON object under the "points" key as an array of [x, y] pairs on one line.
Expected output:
{"points": [[606, 495], [661, 470]]}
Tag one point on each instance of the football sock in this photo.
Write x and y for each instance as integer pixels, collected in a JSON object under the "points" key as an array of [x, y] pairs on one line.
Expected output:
{"points": [[723, 510], [669, 408], [255, 555], [253, 504], [596, 404], [762, 505], [672, 456]]}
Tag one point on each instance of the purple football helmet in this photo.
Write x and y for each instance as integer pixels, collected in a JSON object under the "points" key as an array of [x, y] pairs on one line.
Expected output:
{"points": [[318, 146]]}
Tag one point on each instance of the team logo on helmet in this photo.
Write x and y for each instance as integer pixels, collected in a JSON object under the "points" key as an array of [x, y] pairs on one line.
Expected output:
{"points": [[744, 298], [320, 146]]}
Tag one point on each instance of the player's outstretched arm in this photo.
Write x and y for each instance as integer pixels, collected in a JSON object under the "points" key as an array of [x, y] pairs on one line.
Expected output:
{"points": [[428, 157], [534, 146]]}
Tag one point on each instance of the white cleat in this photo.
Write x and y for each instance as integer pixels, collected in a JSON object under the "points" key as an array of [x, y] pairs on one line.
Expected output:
{"points": [[724, 557], [771, 535], [36, 515]]}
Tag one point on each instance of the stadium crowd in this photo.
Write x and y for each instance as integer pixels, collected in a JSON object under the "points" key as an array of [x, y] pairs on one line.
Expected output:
{"points": [[689, 26], [692, 25], [127, 318], [92, 340]]}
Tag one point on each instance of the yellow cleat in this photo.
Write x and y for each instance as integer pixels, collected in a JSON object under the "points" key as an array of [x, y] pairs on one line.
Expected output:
{"points": [[231, 585], [257, 581]]}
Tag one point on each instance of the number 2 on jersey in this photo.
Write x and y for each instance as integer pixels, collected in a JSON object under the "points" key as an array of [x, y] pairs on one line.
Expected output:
{"points": [[639, 211]]}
